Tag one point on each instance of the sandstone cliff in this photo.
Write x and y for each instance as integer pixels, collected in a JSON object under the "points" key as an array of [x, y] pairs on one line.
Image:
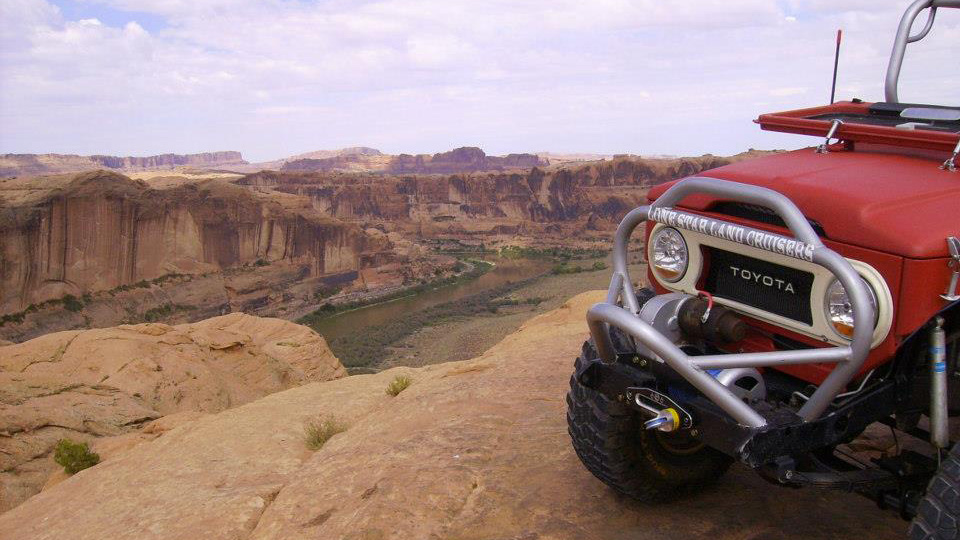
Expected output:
{"points": [[491, 203], [36, 164], [466, 159], [95, 383], [99, 249], [206, 244], [472, 450]]}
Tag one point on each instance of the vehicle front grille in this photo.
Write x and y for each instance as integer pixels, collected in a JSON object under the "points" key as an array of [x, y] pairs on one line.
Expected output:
{"points": [[760, 284]]}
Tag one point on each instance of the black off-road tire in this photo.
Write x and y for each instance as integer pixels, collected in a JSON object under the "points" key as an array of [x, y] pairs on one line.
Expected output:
{"points": [[938, 514], [650, 466]]}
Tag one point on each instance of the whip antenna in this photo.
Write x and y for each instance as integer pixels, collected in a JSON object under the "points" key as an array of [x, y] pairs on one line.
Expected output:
{"points": [[836, 62]]}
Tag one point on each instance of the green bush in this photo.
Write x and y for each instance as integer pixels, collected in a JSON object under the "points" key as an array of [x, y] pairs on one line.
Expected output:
{"points": [[599, 265], [398, 384], [74, 456], [318, 432], [564, 268], [72, 303]]}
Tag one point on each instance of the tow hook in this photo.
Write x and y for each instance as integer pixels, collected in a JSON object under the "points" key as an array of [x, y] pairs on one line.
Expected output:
{"points": [[665, 420], [665, 414]]}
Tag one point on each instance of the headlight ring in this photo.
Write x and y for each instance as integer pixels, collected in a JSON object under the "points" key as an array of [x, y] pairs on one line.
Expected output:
{"points": [[839, 310], [669, 256]]}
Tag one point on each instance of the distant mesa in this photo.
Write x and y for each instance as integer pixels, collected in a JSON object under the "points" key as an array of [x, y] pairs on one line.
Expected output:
{"points": [[460, 160], [40, 164], [466, 159]]}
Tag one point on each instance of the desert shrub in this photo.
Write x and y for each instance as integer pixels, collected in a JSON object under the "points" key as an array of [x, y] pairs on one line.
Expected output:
{"points": [[164, 310], [261, 262], [564, 268], [325, 292], [398, 384], [74, 456], [599, 265], [71, 303], [318, 432]]}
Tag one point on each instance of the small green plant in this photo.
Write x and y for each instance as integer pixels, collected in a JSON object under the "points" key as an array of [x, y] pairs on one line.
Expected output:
{"points": [[74, 456], [599, 265], [318, 432], [72, 303], [398, 384]]}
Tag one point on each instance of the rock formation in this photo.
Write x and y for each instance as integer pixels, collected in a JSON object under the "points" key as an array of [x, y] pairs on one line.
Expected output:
{"points": [[70, 236], [485, 202], [99, 249], [36, 164], [472, 450], [460, 160], [466, 159], [89, 384]]}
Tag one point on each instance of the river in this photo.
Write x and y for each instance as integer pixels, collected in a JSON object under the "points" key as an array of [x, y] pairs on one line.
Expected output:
{"points": [[505, 271]]}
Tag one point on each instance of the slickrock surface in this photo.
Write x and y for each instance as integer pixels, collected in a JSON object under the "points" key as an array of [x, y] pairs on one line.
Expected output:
{"points": [[106, 382], [472, 450]]}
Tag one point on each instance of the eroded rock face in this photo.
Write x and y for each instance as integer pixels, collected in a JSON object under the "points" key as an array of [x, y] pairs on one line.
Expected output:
{"points": [[100, 231], [472, 450], [466, 159], [605, 190], [34, 164], [107, 382], [460, 160]]}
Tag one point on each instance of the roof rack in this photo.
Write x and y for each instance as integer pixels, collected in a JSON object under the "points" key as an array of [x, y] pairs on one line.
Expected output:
{"points": [[878, 123], [904, 37], [932, 127]]}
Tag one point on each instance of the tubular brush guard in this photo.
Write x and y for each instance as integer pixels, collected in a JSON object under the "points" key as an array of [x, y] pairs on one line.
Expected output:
{"points": [[805, 246]]}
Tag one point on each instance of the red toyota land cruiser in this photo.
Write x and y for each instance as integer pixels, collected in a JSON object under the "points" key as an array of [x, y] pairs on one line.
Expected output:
{"points": [[794, 300]]}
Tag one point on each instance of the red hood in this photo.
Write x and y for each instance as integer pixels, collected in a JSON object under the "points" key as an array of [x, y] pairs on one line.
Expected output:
{"points": [[893, 203]]}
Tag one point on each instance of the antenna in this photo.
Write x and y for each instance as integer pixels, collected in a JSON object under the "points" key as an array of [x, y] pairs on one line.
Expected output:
{"points": [[836, 62]]}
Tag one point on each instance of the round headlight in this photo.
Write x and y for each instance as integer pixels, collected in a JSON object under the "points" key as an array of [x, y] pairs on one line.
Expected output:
{"points": [[670, 256], [840, 310]]}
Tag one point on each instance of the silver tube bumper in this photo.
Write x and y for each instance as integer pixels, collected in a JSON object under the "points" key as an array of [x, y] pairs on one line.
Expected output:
{"points": [[805, 244]]}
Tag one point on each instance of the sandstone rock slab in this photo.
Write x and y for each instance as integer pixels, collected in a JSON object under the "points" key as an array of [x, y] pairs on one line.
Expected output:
{"points": [[106, 382], [471, 450]]}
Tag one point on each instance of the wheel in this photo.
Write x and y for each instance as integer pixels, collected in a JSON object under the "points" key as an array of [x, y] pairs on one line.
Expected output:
{"points": [[939, 510], [650, 466]]}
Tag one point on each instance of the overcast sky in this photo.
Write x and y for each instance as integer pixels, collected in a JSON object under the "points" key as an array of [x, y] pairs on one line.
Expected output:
{"points": [[272, 78]]}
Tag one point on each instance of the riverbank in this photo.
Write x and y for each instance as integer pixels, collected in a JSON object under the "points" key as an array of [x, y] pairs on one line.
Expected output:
{"points": [[467, 337], [343, 303], [464, 327]]}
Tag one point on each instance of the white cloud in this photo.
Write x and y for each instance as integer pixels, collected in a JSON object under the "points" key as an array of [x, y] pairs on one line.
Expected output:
{"points": [[274, 77]]}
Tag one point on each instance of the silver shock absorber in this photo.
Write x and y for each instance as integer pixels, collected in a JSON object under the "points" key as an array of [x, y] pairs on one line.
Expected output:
{"points": [[939, 430]]}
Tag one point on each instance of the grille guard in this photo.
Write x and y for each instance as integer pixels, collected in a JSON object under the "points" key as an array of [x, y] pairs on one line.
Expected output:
{"points": [[805, 246]]}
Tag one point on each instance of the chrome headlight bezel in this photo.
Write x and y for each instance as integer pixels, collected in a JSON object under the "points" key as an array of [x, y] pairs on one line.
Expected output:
{"points": [[838, 311], [668, 243]]}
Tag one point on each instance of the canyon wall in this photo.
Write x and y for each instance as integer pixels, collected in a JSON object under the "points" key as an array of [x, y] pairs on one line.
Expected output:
{"points": [[85, 235], [604, 190], [466, 159], [98, 248], [38, 164]]}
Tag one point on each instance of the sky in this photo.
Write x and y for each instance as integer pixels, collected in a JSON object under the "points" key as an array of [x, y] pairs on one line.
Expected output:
{"points": [[272, 78]]}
